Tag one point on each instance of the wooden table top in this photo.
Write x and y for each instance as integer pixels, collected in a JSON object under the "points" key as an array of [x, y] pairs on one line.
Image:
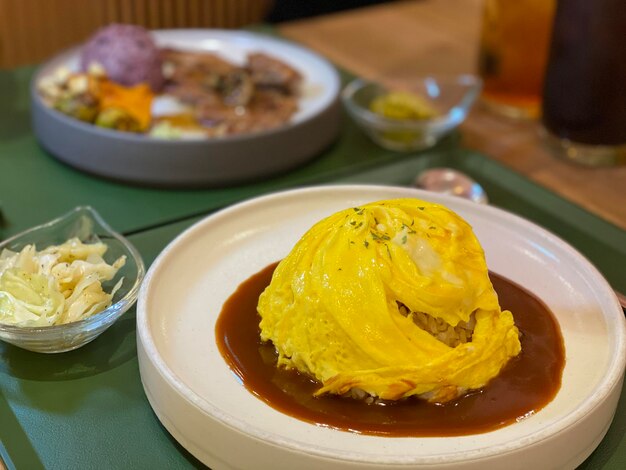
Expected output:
{"points": [[404, 39]]}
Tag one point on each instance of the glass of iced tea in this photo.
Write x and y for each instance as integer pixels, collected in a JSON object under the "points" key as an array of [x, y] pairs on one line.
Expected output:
{"points": [[584, 103], [513, 54]]}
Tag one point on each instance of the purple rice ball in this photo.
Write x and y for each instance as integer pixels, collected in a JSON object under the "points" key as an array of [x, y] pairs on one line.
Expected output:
{"points": [[127, 53]]}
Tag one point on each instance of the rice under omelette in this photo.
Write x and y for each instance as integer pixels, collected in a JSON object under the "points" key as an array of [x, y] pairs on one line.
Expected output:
{"points": [[390, 299]]}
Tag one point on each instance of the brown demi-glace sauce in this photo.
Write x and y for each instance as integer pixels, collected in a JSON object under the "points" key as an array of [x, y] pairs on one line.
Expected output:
{"points": [[526, 384]]}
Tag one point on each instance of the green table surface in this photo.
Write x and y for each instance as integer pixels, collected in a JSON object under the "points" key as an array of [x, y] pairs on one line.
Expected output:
{"points": [[87, 408]]}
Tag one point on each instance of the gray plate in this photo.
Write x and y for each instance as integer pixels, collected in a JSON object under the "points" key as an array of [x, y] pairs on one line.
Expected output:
{"points": [[210, 162]]}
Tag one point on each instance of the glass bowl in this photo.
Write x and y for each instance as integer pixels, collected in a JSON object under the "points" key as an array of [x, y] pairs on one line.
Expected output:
{"points": [[87, 225], [451, 98]]}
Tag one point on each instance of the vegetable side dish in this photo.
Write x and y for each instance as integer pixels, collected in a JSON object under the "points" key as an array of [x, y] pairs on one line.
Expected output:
{"points": [[386, 301], [127, 83], [402, 105], [59, 284]]}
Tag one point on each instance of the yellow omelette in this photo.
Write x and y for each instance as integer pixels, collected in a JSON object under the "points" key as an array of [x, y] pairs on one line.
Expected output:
{"points": [[391, 298]]}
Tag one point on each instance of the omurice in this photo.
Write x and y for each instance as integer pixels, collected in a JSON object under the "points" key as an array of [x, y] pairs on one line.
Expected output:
{"points": [[390, 299]]}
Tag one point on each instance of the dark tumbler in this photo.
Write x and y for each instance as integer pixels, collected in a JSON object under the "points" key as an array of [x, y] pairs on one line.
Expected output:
{"points": [[584, 99]]}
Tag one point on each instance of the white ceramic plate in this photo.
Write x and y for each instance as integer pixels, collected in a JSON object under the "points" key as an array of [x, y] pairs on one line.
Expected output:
{"points": [[201, 402], [216, 161]]}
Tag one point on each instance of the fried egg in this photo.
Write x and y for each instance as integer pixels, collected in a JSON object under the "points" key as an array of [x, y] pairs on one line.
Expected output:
{"points": [[391, 299]]}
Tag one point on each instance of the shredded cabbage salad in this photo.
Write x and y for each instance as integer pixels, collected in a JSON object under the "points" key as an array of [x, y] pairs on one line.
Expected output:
{"points": [[57, 285]]}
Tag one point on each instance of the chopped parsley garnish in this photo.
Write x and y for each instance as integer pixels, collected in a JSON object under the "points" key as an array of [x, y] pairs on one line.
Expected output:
{"points": [[377, 237], [409, 229]]}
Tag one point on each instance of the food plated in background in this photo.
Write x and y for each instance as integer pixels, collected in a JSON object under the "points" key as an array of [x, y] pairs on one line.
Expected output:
{"points": [[63, 283], [127, 83], [184, 370], [228, 106]]}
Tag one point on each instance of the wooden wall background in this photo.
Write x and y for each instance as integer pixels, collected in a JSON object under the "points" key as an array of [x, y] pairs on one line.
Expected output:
{"points": [[33, 30]]}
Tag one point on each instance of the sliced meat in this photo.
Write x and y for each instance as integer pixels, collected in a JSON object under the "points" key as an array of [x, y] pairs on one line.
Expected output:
{"points": [[191, 66], [267, 71], [233, 100]]}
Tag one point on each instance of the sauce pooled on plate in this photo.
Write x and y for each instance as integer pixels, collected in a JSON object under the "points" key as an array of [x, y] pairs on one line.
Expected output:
{"points": [[525, 385]]}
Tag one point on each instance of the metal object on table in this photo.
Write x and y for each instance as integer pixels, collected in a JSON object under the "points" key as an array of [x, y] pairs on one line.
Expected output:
{"points": [[450, 181]]}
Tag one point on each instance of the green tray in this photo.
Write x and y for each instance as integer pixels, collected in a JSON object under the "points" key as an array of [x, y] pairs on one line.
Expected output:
{"points": [[87, 408]]}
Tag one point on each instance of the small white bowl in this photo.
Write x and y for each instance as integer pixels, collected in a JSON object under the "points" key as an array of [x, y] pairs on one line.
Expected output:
{"points": [[452, 97], [87, 225]]}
